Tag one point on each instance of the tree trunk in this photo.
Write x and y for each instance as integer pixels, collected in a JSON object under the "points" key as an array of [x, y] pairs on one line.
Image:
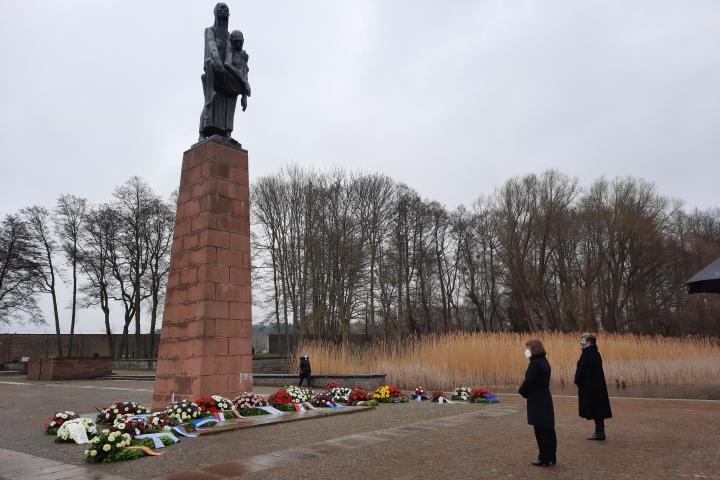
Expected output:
{"points": [[57, 322], [74, 303], [153, 321], [138, 339]]}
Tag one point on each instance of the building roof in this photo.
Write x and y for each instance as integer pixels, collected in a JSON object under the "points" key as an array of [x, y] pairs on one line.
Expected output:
{"points": [[706, 280]]}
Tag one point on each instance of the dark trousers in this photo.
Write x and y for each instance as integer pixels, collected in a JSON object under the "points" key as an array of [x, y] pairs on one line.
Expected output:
{"points": [[600, 426], [305, 376], [547, 443]]}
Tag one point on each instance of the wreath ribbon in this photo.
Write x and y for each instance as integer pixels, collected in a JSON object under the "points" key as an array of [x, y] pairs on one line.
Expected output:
{"points": [[181, 430], [203, 421], [155, 437], [143, 417], [270, 410], [144, 449]]}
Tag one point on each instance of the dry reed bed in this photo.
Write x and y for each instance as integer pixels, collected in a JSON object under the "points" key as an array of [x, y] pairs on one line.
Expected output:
{"points": [[496, 359]]}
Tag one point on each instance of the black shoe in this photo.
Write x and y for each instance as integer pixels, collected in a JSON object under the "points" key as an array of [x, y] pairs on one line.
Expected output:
{"points": [[553, 462], [597, 437], [539, 463]]}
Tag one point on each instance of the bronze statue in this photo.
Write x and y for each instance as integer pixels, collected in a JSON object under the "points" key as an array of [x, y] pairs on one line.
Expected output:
{"points": [[226, 76]]}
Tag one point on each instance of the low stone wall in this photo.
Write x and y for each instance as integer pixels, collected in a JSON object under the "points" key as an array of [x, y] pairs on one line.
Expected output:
{"points": [[77, 368], [270, 365], [134, 364], [14, 346], [17, 366], [369, 381]]}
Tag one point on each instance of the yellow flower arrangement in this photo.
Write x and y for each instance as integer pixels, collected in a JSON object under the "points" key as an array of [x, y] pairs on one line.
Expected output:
{"points": [[382, 392]]}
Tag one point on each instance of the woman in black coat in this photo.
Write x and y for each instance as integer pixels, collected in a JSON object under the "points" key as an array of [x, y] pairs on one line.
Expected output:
{"points": [[540, 412], [305, 370], [592, 390]]}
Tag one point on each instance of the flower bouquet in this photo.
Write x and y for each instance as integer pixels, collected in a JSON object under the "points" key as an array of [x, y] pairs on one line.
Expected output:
{"points": [[65, 433], [287, 398], [184, 411], [299, 394], [110, 447], [51, 428], [323, 399], [161, 421], [461, 393], [341, 394], [215, 404], [437, 396], [120, 408], [359, 394], [247, 404], [133, 426], [282, 400], [420, 393], [483, 395], [389, 394], [330, 385]]}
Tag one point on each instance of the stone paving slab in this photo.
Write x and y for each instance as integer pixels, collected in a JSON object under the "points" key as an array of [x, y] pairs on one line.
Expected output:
{"points": [[342, 444], [23, 466], [265, 420]]}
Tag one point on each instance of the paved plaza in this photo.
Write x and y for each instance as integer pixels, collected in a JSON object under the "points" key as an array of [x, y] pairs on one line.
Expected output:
{"points": [[648, 438]]}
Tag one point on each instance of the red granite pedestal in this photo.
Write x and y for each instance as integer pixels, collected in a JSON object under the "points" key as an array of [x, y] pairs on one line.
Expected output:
{"points": [[205, 347]]}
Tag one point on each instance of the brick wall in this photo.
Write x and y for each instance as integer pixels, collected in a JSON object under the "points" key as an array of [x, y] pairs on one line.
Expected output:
{"points": [[68, 368], [17, 345]]}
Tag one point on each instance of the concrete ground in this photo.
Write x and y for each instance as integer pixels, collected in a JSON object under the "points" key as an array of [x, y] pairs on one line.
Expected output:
{"points": [[647, 438]]}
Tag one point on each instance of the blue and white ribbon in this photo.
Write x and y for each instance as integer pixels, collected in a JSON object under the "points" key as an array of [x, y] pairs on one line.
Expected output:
{"points": [[156, 438], [202, 421], [181, 430]]}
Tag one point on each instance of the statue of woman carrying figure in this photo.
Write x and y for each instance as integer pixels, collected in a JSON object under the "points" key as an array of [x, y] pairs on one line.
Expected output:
{"points": [[226, 76]]}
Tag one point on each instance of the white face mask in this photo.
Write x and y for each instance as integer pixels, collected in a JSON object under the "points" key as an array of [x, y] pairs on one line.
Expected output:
{"points": [[527, 353], [583, 344]]}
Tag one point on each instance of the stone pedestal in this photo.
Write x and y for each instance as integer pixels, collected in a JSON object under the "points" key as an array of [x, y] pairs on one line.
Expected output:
{"points": [[68, 368], [205, 347]]}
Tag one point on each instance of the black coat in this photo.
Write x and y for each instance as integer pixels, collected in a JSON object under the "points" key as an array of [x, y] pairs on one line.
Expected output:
{"points": [[305, 367], [536, 388], [592, 390]]}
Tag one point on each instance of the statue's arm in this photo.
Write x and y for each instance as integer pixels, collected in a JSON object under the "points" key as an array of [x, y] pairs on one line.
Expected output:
{"points": [[246, 57], [212, 47]]}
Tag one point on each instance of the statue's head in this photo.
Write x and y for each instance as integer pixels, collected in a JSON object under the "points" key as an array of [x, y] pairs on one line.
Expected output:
{"points": [[221, 11], [237, 40]]}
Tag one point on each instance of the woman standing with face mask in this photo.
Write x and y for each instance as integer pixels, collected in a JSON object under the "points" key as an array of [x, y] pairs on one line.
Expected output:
{"points": [[593, 397], [540, 412]]}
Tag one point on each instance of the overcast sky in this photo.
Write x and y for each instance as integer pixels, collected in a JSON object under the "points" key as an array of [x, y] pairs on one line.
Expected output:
{"points": [[451, 98]]}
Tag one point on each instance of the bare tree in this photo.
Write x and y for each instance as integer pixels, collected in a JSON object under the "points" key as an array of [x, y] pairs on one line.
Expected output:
{"points": [[340, 249], [18, 279], [44, 249], [98, 231], [130, 254], [69, 216], [159, 232]]}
